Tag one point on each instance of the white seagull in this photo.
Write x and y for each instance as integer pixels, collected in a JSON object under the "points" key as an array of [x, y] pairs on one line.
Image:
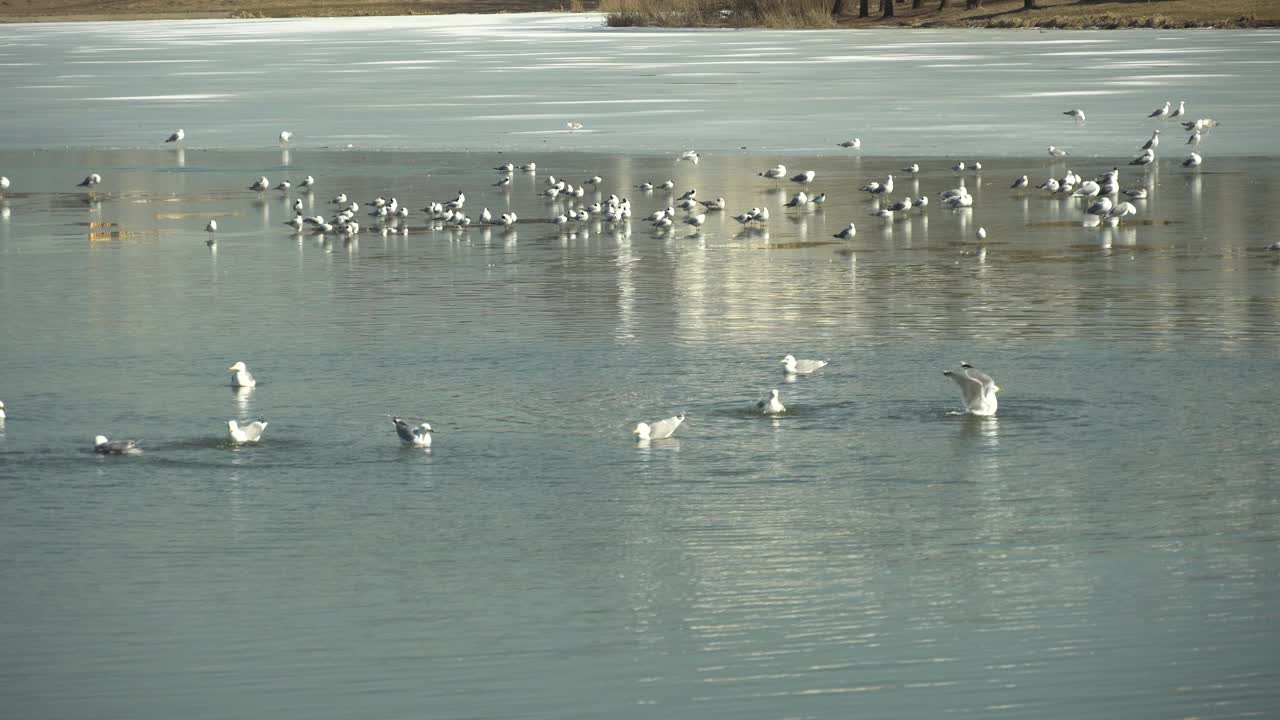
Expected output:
{"points": [[659, 430], [771, 405], [284, 137], [1193, 160], [250, 433], [416, 435], [776, 172], [177, 136], [801, 367], [1077, 115], [854, 144], [690, 155], [92, 180], [242, 377], [846, 233], [103, 446], [1182, 110], [1161, 113], [1057, 152], [977, 388]]}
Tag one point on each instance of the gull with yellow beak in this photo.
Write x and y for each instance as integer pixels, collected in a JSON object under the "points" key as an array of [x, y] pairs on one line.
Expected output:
{"points": [[242, 377], [977, 388]]}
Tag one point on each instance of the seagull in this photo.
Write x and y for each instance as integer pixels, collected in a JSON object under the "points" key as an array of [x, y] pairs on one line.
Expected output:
{"points": [[1020, 183], [958, 167], [774, 173], [507, 168], [177, 136], [1154, 142], [1119, 211], [1200, 124], [1100, 208], [1057, 152], [307, 182], [846, 233], [854, 144], [260, 185], [103, 446], [573, 125], [717, 204], [659, 430], [771, 405], [503, 182], [804, 178], [529, 167], [690, 155], [4, 184], [1182, 110], [284, 137], [91, 181], [211, 228], [901, 206], [802, 367], [876, 188], [416, 435], [1161, 113], [982, 233], [1136, 193], [250, 433], [242, 377], [668, 185], [977, 388], [818, 199], [1193, 160], [1194, 139], [797, 200], [2, 410], [1077, 115], [1146, 158], [911, 169], [593, 181]]}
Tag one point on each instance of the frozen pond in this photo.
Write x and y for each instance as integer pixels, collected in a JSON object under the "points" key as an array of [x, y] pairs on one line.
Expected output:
{"points": [[513, 81]]}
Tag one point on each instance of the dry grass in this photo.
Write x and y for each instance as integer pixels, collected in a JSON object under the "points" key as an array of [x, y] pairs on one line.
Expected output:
{"points": [[718, 13], [1081, 14]]}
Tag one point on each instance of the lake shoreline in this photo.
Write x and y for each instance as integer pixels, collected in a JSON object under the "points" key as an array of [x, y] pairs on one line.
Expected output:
{"points": [[994, 14]]}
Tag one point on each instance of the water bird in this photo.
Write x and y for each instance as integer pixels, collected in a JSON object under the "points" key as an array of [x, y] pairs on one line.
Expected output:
{"points": [[505, 181], [801, 367], [659, 430], [103, 446], [242, 376], [878, 188], [1020, 183], [307, 182], [593, 181], [958, 167], [506, 168], [1050, 185], [1201, 124], [284, 185], [1194, 139], [91, 181], [1161, 113], [982, 233], [847, 233], [690, 155], [911, 169], [4, 183], [760, 214], [260, 185], [1193, 160], [285, 135], [717, 204], [689, 194], [1120, 210], [1100, 208], [1146, 158], [902, 205], [1057, 152], [976, 388], [1076, 114], [1154, 142], [776, 172], [1273, 246], [797, 200], [2, 415], [250, 433], [417, 435], [1182, 110], [696, 221], [1136, 193], [668, 185], [529, 167], [177, 136], [211, 228], [573, 125], [645, 186], [771, 405], [854, 144], [804, 178], [818, 199]]}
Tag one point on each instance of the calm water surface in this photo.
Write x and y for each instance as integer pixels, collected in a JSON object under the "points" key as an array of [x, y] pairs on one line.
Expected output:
{"points": [[1106, 547]]}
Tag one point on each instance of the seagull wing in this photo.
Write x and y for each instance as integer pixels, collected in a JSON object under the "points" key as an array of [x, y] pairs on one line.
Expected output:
{"points": [[665, 428]]}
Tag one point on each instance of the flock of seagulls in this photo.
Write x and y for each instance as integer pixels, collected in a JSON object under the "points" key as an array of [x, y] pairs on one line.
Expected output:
{"points": [[978, 390]]}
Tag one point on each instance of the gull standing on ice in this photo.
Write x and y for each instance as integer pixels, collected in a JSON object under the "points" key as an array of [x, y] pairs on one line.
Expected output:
{"points": [[977, 388], [846, 233], [1161, 113], [1057, 152], [416, 435], [177, 136], [91, 181], [774, 173], [573, 125], [690, 155], [1020, 183], [804, 178], [211, 228], [260, 185], [801, 367], [1182, 110], [284, 137], [1154, 142], [854, 144], [1077, 115], [1193, 160], [659, 430]]}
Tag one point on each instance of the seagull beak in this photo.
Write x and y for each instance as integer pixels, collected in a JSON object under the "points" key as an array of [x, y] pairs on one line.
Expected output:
{"points": [[998, 388], [230, 369]]}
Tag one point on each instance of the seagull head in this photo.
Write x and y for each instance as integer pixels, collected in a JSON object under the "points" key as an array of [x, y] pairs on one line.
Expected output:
{"points": [[100, 440]]}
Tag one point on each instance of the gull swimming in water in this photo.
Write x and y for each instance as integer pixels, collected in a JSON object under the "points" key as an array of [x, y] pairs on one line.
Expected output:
{"points": [[416, 435], [771, 405], [250, 433], [1161, 113], [801, 367], [242, 377], [1057, 152], [690, 155], [1193, 160], [846, 233], [659, 430], [977, 388], [854, 144], [177, 136], [103, 446], [1077, 115], [90, 181]]}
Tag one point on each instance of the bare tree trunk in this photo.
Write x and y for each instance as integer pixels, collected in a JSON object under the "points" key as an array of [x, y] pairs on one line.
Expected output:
{"points": [[838, 9], [864, 8], [888, 8]]}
